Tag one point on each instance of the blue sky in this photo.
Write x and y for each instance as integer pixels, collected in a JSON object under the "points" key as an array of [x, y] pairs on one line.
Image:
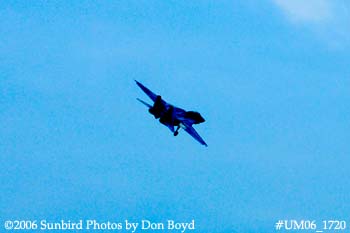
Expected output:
{"points": [[271, 78]]}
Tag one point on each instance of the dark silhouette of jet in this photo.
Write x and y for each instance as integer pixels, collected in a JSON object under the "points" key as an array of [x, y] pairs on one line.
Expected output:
{"points": [[172, 116]]}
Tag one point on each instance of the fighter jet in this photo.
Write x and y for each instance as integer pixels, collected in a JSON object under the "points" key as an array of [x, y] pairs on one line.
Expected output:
{"points": [[172, 116]]}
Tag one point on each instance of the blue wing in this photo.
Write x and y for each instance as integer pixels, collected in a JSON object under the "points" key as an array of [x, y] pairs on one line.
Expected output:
{"points": [[171, 127], [191, 131], [151, 95], [147, 91], [178, 114], [187, 123]]}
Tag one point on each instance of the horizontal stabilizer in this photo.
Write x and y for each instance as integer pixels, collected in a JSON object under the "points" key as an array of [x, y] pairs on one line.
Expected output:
{"points": [[148, 105], [148, 92]]}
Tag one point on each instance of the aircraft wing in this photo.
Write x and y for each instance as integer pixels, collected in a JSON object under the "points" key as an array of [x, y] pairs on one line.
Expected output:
{"points": [[191, 131], [171, 127], [147, 91]]}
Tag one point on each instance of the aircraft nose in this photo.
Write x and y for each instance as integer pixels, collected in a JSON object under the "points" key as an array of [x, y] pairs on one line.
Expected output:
{"points": [[201, 119]]}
